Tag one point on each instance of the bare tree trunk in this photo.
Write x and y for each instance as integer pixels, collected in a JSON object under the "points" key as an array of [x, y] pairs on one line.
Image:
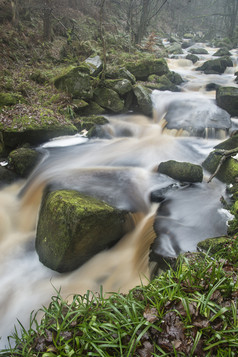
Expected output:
{"points": [[143, 21], [47, 31], [102, 37], [233, 18], [15, 12]]}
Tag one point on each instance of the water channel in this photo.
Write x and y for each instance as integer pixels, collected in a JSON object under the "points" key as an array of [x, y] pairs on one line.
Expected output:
{"points": [[120, 169]]}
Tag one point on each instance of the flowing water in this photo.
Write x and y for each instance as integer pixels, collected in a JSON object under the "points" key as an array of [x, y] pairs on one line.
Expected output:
{"points": [[120, 169]]}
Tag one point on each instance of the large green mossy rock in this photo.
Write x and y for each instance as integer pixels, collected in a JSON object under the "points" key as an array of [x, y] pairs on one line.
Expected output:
{"points": [[181, 171], [33, 125], [143, 97], [216, 66], [213, 245], [73, 227], [228, 172], [77, 82], [227, 98], [109, 99], [23, 160], [143, 68]]}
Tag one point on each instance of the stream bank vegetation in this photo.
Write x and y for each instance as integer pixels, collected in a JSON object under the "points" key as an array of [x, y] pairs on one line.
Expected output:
{"points": [[189, 310]]}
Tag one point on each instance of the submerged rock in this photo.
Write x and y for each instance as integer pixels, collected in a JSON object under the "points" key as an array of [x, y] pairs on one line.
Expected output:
{"points": [[227, 98], [181, 171], [73, 227]]}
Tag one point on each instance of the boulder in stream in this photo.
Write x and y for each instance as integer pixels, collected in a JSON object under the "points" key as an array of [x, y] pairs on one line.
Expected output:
{"points": [[23, 160], [228, 171], [198, 51], [181, 171], [73, 227], [143, 97], [222, 52], [227, 98], [216, 66]]}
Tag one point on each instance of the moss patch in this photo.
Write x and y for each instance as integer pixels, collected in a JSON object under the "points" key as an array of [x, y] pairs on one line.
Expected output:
{"points": [[73, 227]]}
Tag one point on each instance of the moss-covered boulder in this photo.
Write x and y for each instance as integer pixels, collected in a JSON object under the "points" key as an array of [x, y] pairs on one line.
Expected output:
{"points": [[192, 58], [213, 245], [121, 73], [23, 160], [77, 82], [227, 98], [121, 86], [143, 98], [181, 171], [222, 52], [161, 83], [34, 125], [109, 99], [73, 227], [92, 108], [8, 99], [143, 68], [228, 172], [216, 66], [198, 51], [89, 122], [175, 49]]}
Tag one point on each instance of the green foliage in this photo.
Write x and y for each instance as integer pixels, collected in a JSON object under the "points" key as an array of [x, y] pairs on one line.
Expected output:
{"points": [[190, 311]]}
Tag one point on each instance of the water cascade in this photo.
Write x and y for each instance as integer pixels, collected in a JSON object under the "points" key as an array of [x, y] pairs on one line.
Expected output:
{"points": [[121, 169]]}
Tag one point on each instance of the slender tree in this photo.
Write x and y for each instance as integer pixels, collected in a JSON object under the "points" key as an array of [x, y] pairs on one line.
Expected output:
{"points": [[47, 20]]}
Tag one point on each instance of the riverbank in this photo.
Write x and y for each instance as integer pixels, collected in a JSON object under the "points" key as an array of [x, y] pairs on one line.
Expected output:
{"points": [[190, 310]]}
